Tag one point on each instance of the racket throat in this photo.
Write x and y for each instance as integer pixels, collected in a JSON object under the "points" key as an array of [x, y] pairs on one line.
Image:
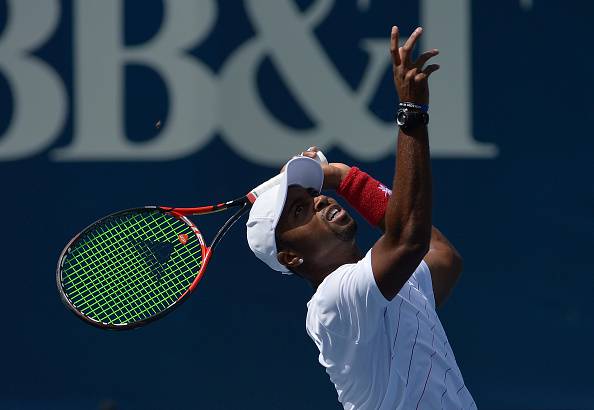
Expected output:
{"points": [[230, 222]]}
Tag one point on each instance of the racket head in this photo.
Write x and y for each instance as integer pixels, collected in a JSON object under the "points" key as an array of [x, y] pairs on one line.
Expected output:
{"points": [[131, 267]]}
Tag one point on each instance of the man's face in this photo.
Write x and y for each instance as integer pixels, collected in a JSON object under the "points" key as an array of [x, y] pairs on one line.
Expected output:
{"points": [[313, 225]]}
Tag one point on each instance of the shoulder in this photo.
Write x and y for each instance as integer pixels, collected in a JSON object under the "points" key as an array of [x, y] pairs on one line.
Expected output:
{"points": [[325, 304], [422, 280], [344, 281], [346, 298]]}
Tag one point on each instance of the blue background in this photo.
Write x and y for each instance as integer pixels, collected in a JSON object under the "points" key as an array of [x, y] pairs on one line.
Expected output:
{"points": [[520, 320]]}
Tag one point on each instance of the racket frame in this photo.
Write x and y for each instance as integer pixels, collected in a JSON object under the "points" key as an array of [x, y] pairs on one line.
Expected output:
{"points": [[179, 213], [244, 203]]}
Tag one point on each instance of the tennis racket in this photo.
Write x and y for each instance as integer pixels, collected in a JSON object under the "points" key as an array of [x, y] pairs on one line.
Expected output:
{"points": [[135, 266]]}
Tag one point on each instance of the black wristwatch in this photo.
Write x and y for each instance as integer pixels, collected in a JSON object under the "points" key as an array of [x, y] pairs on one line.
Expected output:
{"points": [[410, 119]]}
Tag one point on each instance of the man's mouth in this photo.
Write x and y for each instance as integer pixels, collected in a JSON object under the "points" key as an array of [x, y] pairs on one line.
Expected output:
{"points": [[334, 212]]}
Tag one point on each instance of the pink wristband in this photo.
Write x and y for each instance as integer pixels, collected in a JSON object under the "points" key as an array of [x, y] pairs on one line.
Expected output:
{"points": [[366, 194]]}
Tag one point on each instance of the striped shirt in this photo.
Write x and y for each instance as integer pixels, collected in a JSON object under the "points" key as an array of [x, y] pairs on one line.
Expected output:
{"points": [[384, 354]]}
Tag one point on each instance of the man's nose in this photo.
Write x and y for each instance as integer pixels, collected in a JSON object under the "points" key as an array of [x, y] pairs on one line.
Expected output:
{"points": [[320, 202]]}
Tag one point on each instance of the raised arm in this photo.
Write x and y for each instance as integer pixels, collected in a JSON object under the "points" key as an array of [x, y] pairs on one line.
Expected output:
{"points": [[407, 234]]}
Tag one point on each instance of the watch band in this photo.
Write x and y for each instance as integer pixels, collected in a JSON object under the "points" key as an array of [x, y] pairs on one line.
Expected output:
{"points": [[408, 119], [414, 106]]}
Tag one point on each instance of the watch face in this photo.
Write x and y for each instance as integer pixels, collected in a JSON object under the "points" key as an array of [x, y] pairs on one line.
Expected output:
{"points": [[401, 117]]}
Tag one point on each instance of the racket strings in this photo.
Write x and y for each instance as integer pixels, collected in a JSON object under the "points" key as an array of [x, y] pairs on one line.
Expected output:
{"points": [[113, 274], [119, 290], [94, 301], [116, 288], [153, 298]]}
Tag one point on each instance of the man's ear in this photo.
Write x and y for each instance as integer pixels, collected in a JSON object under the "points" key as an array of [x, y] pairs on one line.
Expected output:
{"points": [[289, 259]]}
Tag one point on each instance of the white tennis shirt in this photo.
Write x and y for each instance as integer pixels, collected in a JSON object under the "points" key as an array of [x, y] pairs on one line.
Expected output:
{"points": [[384, 354]]}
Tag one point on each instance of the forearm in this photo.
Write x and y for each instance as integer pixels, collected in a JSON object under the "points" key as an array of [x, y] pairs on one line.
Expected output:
{"points": [[405, 241], [366, 194], [408, 214], [370, 198]]}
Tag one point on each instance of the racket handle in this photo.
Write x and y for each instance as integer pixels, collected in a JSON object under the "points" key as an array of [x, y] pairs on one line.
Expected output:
{"points": [[321, 158], [265, 186]]}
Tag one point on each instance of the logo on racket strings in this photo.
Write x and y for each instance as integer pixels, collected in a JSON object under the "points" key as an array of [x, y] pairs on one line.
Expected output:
{"points": [[183, 238], [156, 254]]}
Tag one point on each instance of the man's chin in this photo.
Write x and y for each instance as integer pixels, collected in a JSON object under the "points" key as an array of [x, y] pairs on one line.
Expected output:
{"points": [[348, 232]]}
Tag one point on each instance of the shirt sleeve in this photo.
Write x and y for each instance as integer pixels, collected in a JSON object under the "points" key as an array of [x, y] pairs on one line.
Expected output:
{"points": [[349, 304], [424, 283]]}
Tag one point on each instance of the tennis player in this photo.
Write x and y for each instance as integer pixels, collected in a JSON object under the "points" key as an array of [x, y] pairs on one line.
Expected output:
{"points": [[372, 315]]}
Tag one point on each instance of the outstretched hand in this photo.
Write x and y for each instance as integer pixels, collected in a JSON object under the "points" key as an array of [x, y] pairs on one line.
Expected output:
{"points": [[410, 77]]}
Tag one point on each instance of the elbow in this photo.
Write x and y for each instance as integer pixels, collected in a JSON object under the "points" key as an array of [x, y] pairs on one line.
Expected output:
{"points": [[457, 263], [455, 274]]}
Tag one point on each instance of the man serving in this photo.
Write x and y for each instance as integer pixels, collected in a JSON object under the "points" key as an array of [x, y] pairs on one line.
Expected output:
{"points": [[372, 316]]}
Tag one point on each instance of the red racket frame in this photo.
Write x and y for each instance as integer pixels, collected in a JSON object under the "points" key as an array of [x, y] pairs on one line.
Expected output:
{"points": [[181, 214]]}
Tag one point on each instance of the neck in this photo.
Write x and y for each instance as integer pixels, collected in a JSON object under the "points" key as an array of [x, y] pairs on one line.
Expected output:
{"points": [[315, 275]]}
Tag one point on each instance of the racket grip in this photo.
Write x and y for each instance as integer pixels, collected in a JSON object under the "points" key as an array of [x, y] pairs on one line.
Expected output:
{"points": [[321, 158], [265, 186]]}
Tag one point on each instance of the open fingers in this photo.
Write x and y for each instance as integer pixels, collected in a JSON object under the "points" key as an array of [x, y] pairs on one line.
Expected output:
{"points": [[426, 72], [423, 58], [407, 48], [394, 46]]}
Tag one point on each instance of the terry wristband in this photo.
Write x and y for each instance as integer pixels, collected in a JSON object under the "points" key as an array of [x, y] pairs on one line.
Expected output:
{"points": [[366, 194]]}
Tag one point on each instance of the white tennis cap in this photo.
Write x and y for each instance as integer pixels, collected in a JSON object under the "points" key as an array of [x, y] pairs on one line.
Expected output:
{"points": [[268, 208]]}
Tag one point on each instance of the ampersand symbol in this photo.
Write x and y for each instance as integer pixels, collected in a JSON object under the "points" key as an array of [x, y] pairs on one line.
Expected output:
{"points": [[341, 115]]}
